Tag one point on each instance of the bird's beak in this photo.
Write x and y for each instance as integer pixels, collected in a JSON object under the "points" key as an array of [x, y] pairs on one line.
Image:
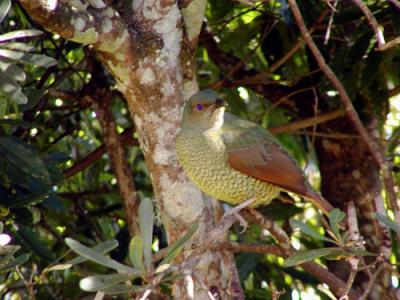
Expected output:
{"points": [[220, 103]]}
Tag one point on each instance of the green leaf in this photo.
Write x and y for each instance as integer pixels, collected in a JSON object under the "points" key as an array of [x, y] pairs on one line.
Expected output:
{"points": [[12, 89], [175, 248], [18, 46], [120, 289], [308, 230], [389, 223], [14, 122], [4, 250], [4, 8], [97, 257], [58, 267], [146, 223], [103, 247], [304, 256], [27, 58], [335, 217], [24, 158], [362, 252], [15, 262], [101, 282], [36, 244], [136, 253], [19, 34]]}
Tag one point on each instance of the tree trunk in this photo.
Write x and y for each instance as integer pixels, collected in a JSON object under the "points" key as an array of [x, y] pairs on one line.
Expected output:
{"points": [[149, 47]]}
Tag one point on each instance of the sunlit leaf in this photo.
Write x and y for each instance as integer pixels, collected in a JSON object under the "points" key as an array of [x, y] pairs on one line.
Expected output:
{"points": [[27, 58], [103, 248], [308, 230], [335, 217], [146, 223], [12, 89], [102, 282], [120, 289], [136, 253], [176, 247], [58, 267], [19, 34], [4, 8], [304, 256], [97, 257], [389, 223]]}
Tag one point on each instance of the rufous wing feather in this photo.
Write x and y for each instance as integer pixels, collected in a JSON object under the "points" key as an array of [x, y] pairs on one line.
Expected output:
{"points": [[270, 163]]}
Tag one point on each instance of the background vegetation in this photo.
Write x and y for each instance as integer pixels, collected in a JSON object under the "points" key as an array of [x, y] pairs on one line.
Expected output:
{"points": [[57, 181]]}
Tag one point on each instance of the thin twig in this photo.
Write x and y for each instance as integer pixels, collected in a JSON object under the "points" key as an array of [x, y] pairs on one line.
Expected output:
{"points": [[350, 110], [319, 272], [295, 126], [372, 281], [328, 30], [395, 3], [240, 64], [380, 39]]}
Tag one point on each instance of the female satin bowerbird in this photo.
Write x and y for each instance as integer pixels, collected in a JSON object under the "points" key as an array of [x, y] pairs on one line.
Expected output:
{"points": [[233, 160]]}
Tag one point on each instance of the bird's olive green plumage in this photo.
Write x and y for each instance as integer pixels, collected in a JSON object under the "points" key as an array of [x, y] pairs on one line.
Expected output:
{"points": [[232, 159]]}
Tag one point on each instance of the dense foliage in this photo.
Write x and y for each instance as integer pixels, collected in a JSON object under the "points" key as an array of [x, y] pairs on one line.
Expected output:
{"points": [[56, 180]]}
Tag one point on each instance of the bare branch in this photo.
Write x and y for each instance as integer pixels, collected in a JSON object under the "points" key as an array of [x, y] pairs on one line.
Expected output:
{"points": [[294, 126], [116, 152], [372, 21]]}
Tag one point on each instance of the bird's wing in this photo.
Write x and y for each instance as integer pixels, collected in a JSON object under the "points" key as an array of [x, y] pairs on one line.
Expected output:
{"points": [[252, 150]]}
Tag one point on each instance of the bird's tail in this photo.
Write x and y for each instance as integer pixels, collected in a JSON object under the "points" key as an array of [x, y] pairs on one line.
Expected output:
{"points": [[319, 201]]}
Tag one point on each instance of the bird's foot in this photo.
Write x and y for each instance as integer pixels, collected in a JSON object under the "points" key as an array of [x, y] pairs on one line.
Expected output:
{"points": [[235, 211]]}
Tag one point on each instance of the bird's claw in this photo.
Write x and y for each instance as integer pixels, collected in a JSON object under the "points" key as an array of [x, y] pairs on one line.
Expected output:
{"points": [[235, 212]]}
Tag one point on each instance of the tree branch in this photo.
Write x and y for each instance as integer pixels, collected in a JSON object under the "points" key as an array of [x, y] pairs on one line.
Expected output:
{"points": [[81, 23], [350, 110], [294, 126], [116, 152], [126, 140], [319, 272]]}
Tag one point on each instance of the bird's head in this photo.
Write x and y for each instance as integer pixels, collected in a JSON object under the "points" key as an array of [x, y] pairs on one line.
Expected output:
{"points": [[204, 109]]}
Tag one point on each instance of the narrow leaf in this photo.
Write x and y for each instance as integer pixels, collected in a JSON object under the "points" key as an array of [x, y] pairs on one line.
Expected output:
{"points": [[97, 257], [58, 267], [4, 8], [305, 228], [175, 248], [27, 58], [24, 158], [4, 250], [136, 253], [102, 282], [335, 217], [19, 34], [146, 222], [389, 223], [120, 289], [15, 262], [304, 256], [33, 242], [12, 89], [103, 247]]}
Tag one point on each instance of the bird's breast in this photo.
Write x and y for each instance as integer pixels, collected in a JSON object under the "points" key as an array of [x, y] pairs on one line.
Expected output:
{"points": [[204, 159]]}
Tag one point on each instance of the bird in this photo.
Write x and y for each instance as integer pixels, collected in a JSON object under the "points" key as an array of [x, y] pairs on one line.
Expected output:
{"points": [[233, 159]]}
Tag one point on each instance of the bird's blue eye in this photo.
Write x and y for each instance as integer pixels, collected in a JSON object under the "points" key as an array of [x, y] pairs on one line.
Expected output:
{"points": [[199, 106]]}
